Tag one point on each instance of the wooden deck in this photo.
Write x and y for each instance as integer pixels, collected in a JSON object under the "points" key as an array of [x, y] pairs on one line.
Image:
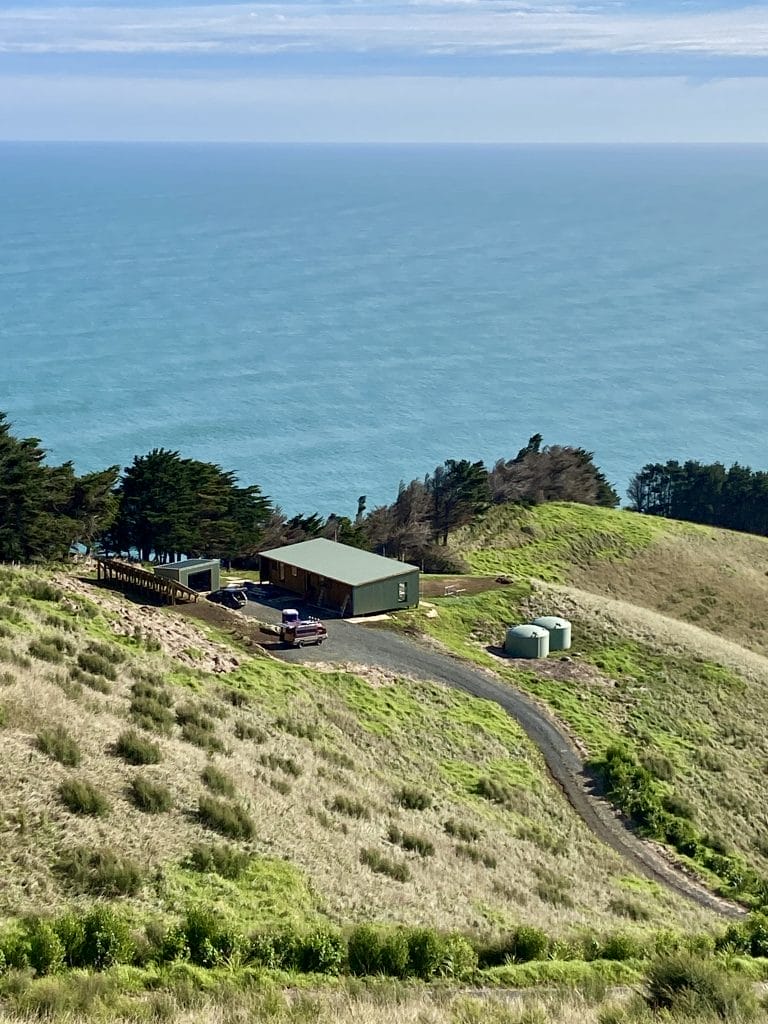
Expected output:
{"points": [[125, 575]]}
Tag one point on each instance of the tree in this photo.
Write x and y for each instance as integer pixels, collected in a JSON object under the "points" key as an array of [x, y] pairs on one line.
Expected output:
{"points": [[170, 506], [552, 473], [34, 499], [458, 491]]}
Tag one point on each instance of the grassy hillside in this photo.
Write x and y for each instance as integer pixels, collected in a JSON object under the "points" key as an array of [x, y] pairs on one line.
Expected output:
{"points": [[716, 579], [667, 627], [351, 797]]}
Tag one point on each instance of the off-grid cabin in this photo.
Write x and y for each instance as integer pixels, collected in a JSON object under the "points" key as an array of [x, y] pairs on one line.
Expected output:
{"points": [[342, 578], [195, 573]]}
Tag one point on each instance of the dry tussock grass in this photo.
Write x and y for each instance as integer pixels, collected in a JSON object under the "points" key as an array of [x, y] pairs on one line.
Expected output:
{"points": [[438, 744], [715, 579]]}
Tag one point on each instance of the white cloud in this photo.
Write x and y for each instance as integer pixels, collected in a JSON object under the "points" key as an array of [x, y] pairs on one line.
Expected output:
{"points": [[415, 27]]}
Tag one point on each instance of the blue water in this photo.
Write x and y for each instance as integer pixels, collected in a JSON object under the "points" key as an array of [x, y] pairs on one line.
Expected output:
{"points": [[330, 320]]}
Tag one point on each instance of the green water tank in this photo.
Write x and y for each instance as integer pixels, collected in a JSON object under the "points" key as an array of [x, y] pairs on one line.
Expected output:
{"points": [[559, 631], [527, 642]]}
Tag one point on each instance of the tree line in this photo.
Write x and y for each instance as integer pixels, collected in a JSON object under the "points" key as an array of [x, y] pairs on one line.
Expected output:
{"points": [[734, 498], [165, 506]]}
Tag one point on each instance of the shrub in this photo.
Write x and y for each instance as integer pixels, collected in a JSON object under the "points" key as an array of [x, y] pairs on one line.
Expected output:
{"points": [[659, 765], [416, 844], [459, 958], [347, 805], [106, 940], [100, 872], [58, 744], [321, 951], [148, 796], [245, 731], [46, 650], [224, 860], [81, 797], [621, 946], [236, 698], [44, 948], [218, 781], [191, 714], [679, 806], [689, 985], [303, 730], [110, 652], [96, 664], [413, 799], [230, 820], [476, 856], [382, 865], [495, 791], [97, 683], [284, 764], [524, 944], [153, 690], [40, 590], [137, 749], [208, 941], [202, 737], [461, 830], [425, 952], [364, 951], [151, 713]]}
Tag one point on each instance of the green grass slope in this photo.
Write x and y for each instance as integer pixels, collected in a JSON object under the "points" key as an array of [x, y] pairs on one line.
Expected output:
{"points": [[716, 579], [685, 690], [347, 798]]}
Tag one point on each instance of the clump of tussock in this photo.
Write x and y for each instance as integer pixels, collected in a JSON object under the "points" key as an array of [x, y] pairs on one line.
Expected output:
{"points": [[41, 590], [283, 764], [60, 745], [461, 830], [382, 865], [83, 678], [297, 727], [51, 647], [100, 872], [134, 748], [348, 805], [229, 819], [96, 664], [413, 798], [193, 714], [472, 853], [282, 786], [81, 797], [151, 707], [148, 796], [202, 737], [218, 781], [411, 842], [222, 858], [237, 698], [247, 731], [336, 758]]}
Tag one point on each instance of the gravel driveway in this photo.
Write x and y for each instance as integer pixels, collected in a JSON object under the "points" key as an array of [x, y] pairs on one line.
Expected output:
{"points": [[382, 648]]}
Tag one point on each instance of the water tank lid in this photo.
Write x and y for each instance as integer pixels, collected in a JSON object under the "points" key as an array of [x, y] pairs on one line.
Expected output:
{"points": [[551, 622], [528, 632]]}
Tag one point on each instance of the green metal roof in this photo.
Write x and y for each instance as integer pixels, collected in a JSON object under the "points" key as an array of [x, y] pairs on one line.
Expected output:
{"points": [[339, 562]]}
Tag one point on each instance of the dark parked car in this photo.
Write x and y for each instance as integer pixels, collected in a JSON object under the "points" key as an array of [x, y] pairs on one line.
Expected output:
{"points": [[230, 597]]}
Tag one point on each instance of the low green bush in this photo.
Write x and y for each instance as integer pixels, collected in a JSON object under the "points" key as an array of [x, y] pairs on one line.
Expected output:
{"points": [[97, 683], [58, 744], [411, 842], [461, 830], [336, 757], [348, 805], [41, 590], [45, 649], [477, 856], [96, 664], [296, 727], [81, 797], [246, 731], [209, 942], [218, 781], [44, 948], [137, 749], [524, 944], [192, 714], [151, 713], [382, 865], [106, 940], [202, 737], [223, 859], [413, 798], [100, 872], [148, 796], [283, 764], [230, 820], [687, 985]]}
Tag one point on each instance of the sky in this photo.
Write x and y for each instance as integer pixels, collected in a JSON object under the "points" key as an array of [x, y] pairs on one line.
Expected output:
{"points": [[364, 71]]}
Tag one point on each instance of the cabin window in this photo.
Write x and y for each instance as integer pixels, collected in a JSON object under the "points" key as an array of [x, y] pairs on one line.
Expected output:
{"points": [[294, 571], [282, 571], [402, 592]]}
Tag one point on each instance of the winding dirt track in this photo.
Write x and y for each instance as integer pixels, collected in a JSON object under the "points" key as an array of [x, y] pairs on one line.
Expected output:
{"points": [[380, 648]]}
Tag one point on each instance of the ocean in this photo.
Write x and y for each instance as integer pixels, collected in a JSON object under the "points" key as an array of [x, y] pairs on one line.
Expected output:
{"points": [[330, 320]]}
